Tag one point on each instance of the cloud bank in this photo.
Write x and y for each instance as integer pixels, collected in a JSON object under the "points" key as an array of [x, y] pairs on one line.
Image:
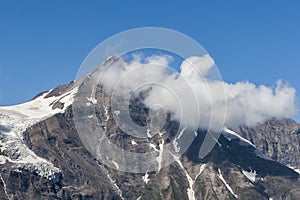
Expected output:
{"points": [[194, 97]]}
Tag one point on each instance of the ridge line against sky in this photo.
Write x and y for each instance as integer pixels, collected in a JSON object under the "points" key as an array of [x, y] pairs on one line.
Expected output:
{"points": [[42, 44]]}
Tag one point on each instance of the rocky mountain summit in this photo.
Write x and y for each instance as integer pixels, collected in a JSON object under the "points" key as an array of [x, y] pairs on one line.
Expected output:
{"points": [[42, 155]]}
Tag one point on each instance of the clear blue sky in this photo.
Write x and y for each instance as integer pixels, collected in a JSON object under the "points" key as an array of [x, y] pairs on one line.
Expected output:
{"points": [[42, 43]]}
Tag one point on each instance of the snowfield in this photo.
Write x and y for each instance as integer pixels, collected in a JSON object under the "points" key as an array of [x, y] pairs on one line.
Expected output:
{"points": [[14, 120]]}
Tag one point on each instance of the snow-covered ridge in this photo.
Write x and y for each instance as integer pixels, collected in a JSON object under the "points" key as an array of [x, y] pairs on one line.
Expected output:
{"points": [[14, 120], [293, 168], [34, 111], [231, 135]]}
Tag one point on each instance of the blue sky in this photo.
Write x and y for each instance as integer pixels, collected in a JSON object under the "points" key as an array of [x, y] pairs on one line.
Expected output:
{"points": [[42, 43]]}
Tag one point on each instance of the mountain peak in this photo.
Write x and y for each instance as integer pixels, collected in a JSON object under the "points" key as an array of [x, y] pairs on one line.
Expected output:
{"points": [[42, 149]]}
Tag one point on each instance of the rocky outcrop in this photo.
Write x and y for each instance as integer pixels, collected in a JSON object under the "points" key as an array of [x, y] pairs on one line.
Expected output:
{"points": [[277, 139], [82, 176]]}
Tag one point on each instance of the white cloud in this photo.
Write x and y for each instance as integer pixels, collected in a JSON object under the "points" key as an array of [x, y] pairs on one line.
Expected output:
{"points": [[249, 104], [193, 65], [193, 97]]}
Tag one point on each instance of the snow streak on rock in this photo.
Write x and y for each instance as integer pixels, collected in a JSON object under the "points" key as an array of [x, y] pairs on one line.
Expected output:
{"points": [[175, 143], [4, 187], [190, 190], [231, 135], [117, 189], [226, 184], [159, 158], [106, 112]]}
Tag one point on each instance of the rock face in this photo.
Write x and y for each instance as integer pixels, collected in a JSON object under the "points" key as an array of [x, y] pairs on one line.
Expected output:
{"points": [[234, 169], [277, 139], [82, 176]]}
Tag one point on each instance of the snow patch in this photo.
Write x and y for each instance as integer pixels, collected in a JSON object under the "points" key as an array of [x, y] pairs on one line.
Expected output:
{"points": [[92, 100], [2, 159], [148, 133], [116, 164], [153, 146], [117, 113], [134, 142], [146, 178], [250, 175], [106, 112]]}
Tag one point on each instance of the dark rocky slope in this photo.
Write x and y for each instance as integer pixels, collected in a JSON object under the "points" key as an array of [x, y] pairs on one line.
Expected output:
{"points": [[277, 139]]}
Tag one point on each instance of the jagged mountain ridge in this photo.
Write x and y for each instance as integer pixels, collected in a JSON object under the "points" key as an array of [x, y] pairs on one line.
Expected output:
{"points": [[232, 170], [277, 139]]}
